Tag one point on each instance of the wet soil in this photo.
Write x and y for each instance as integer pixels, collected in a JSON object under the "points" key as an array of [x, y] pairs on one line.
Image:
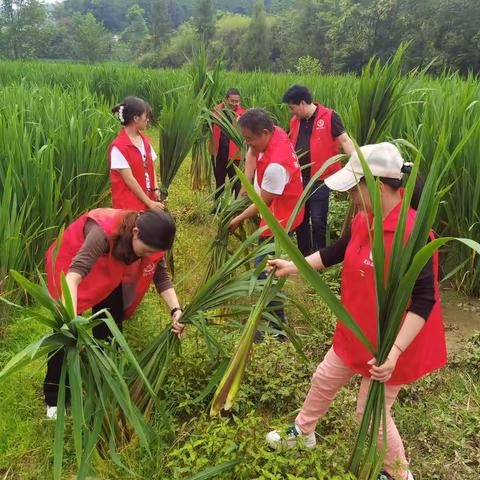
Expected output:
{"points": [[461, 316]]}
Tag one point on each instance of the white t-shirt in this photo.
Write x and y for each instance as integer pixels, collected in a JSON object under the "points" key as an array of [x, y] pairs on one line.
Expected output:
{"points": [[119, 162], [274, 179]]}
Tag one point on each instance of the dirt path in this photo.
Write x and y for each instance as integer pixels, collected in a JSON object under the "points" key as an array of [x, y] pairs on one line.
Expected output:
{"points": [[461, 316]]}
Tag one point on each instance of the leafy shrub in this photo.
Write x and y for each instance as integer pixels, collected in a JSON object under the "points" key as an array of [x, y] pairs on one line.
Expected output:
{"points": [[308, 65], [213, 442]]}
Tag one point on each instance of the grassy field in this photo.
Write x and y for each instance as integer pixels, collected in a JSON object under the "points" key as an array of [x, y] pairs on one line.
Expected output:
{"points": [[439, 417]]}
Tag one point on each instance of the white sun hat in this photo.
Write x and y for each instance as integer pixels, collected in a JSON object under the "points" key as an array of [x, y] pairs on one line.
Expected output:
{"points": [[384, 160]]}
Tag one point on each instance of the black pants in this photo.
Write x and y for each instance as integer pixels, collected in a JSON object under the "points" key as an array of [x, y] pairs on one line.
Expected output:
{"points": [[114, 303], [311, 238], [221, 169]]}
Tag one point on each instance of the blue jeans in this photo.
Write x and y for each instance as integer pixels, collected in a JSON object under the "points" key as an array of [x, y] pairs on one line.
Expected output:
{"points": [[275, 306], [310, 238]]}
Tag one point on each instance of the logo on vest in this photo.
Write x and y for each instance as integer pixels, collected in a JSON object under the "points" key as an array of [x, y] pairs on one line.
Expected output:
{"points": [[148, 269], [320, 124], [369, 261]]}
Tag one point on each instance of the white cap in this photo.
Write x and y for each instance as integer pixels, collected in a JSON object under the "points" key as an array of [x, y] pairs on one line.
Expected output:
{"points": [[384, 160]]}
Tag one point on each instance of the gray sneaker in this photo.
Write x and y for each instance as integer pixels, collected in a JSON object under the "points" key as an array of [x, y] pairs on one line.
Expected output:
{"points": [[290, 438], [383, 475]]}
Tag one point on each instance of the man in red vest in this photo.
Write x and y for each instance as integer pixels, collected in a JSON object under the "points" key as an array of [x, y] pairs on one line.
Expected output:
{"points": [[277, 179], [224, 150], [316, 133]]}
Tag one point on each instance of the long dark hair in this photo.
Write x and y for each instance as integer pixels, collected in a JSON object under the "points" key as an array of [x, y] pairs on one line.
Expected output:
{"points": [[122, 241], [156, 229], [131, 107], [396, 183]]}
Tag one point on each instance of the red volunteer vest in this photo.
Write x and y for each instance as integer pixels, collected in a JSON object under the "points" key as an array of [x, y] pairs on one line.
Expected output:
{"points": [[137, 279], [232, 149], [108, 272], [280, 150], [427, 352], [122, 196], [322, 145]]}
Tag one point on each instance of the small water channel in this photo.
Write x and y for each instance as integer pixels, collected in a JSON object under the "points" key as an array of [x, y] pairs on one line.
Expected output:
{"points": [[461, 316]]}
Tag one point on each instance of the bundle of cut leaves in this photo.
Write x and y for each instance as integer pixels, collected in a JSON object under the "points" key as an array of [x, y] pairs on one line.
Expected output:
{"points": [[382, 94], [227, 207], [207, 84], [91, 376], [393, 289], [278, 110], [179, 128], [272, 289], [222, 294], [222, 119], [230, 384]]}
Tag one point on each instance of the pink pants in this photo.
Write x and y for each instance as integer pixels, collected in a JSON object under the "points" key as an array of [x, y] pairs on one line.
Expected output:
{"points": [[330, 376]]}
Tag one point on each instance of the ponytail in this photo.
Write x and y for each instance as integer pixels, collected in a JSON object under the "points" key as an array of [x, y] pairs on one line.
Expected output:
{"points": [[131, 107], [417, 192], [396, 184]]}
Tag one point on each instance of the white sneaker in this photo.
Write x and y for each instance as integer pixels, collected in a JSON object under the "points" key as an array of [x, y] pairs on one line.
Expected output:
{"points": [[290, 437], [51, 413]]}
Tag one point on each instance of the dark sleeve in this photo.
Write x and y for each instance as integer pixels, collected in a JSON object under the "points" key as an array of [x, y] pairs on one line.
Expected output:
{"points": [[423, 294], [335, 253], [94, 246], [337, 125], [161, 278]]}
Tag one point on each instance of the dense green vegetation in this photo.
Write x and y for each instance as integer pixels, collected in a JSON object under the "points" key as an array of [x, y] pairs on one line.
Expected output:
{"points": [[58, 116], [442, 442], [306, 36], [448, 104]]}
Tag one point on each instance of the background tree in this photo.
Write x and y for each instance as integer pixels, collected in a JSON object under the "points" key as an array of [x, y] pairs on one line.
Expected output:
{"points": [[90, 40], [179, 48], [204, 20], [230, 32], [303, 31], [160, 23], [136, 30], [56, 44], [112, 13], [457, 36], [419, 29], [308, 65], [23, 29], [365, 28], [256, 47], [132, 41]]}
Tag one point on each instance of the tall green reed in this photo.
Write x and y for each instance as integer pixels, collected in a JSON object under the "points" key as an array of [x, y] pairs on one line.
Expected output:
{"points": [[207, 83], [92, 377], [52, 167], [393, 291]]}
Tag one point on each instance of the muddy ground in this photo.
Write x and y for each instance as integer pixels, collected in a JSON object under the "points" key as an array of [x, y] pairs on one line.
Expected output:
{"points": [[461, 316]]}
